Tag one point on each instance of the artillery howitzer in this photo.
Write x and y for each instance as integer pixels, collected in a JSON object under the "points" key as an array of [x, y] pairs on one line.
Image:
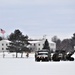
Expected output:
{"points": [[69, 56], [63, 55]]}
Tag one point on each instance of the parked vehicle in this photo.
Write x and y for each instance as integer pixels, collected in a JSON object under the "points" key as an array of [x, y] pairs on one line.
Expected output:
{"points": [[63, 55], [46, 55], [42, 55]]}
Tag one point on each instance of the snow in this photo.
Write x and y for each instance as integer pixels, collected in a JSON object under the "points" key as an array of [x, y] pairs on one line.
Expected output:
{"points": [[5, 41], [28, 66], [34, 41]]}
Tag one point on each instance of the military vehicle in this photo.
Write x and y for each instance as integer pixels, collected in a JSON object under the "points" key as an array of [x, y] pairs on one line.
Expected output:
{"points": [[69, 56], [42, 55], [56, 56], [46, 55], [63, 55]]}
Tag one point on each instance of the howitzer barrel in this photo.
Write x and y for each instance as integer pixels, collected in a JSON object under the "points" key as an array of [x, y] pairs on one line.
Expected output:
{"points": [[71, 53], [68, 56]]}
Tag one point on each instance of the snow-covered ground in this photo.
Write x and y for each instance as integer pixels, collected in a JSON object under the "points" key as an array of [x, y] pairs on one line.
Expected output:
{"points": [[28, 66]]}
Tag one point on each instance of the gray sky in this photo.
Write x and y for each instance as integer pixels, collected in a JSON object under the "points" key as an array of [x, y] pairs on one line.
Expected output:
{"points": [[38, 17]]}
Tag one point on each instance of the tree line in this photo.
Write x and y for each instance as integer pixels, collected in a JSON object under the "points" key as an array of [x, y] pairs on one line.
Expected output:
{"points": [[65, 44]]}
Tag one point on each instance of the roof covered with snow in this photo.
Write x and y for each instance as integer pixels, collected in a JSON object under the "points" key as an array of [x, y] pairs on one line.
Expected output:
{"points": [[34, 41], [40, 41], [5, 41]]}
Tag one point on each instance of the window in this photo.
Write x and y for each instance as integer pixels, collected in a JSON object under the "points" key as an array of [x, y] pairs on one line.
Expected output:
{"points": [[38, 48], [39, 44], [43, 44], [6, 44], [2, 44], [34, 44], [2, 48], [6, 48]]}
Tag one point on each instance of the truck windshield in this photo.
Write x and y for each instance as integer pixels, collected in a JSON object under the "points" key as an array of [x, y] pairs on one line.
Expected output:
{"points": [[42, 53]]}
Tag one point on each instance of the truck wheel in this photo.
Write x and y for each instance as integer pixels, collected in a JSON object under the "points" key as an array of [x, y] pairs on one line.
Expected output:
{"points": [[47, 59], [56, 59], [71, 59], [38, 60]]}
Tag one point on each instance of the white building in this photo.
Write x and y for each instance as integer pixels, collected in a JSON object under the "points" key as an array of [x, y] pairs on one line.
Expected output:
{"points": [[38, 45], [74, 47], [4, 45]]}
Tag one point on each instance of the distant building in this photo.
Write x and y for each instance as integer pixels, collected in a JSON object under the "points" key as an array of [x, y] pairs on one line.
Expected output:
{"points": [[34, 45], [38, 45], [4, 45]]}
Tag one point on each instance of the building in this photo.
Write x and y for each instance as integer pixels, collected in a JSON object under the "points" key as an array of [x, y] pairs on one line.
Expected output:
{"points": [[38, 45], [4, 45]]}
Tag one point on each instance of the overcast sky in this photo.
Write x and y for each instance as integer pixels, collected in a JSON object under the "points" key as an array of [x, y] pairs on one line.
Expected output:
{"points": [[38, 17]]}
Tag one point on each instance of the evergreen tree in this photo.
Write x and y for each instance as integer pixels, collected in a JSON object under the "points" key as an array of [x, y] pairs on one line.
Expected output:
{"points": [[19, 42], [46, 45]]}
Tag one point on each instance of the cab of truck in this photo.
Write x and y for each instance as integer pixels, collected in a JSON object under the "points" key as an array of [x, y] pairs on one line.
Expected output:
{"points": [[42, 55]]}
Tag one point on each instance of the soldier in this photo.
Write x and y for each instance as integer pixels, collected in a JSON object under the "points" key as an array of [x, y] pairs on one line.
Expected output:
{"points": [[27, 55]]}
